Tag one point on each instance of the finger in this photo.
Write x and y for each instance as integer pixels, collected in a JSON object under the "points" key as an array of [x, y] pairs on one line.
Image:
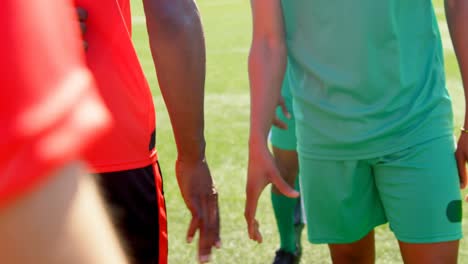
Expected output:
{"points": [[257, 234], [461, 165], [209, 226], [215, 216], [195, 221], [284, 109], [279, 123], [82, 13], [83, 28], [282, 185], [193, 227], [250, 212]]}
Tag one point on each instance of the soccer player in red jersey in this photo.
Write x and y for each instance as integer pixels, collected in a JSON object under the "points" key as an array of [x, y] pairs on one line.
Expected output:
{"points": [[49, 113], [126, 158]]}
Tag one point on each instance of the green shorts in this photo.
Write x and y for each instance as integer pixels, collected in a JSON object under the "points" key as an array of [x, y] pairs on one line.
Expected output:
{"points": [[416, 190], [280, 138]]}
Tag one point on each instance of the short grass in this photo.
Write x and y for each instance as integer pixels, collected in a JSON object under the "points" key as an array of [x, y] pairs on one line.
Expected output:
{"points": [[228, 31]]}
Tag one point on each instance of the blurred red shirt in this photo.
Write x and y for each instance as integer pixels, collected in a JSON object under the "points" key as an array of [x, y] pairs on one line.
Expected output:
{"points": [[49, 108]]}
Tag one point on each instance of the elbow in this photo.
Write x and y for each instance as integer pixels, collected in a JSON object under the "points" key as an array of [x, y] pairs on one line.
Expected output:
{"points": [[278, 49], [449, 6], [453, 7], [172, 17], [267, 58], [268, 49]]}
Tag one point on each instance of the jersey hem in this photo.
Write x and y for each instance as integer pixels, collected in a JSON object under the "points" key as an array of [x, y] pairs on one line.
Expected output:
{"points": [[104, 168], [370, 155], [431, 239], [329, 240]]}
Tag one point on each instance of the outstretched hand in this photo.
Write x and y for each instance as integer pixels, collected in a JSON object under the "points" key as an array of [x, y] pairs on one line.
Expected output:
{"points": [[262, 170], [200, 196]]}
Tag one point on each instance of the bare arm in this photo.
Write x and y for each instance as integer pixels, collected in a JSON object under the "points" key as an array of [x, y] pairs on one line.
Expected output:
{"points": [[178, 48], [50, 209], [267, 63], [457, 19], [53, 225]]}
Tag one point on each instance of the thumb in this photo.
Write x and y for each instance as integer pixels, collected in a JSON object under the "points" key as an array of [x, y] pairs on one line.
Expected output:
{"points": [[282, 185]]}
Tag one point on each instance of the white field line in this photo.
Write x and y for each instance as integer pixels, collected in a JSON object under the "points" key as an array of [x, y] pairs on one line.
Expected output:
{"points": [[141, 20], [138, 20]]}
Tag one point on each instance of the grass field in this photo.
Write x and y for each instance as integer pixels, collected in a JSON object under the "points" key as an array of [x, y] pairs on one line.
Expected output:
{"points": [[228, 31]]}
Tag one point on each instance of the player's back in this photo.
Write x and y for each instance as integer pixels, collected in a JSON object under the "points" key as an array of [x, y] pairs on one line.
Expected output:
{"points": [[114, 63]]}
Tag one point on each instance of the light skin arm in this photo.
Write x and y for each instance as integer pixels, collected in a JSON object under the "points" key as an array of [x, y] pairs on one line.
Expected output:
{"points": [[267, 63], [457, 19], [178, 48], [53, 225]]}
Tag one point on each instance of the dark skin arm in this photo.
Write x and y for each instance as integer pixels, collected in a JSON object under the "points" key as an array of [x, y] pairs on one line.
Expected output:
{"points": [[178, 48], [457, 19]]}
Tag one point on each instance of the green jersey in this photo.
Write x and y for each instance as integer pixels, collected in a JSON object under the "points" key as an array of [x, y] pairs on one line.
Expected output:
{"points": [[367, 76]]}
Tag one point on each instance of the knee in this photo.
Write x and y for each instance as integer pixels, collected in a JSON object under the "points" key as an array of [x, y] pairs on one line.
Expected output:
{"points": [[349, 255], [173, 17], [362, 251]]}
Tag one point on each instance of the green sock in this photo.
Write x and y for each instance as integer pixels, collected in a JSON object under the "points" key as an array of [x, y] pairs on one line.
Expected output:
{"points": [[284, 213]]}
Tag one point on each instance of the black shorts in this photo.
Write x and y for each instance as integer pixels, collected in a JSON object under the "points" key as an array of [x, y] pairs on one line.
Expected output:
{"points": [[136, 200]]}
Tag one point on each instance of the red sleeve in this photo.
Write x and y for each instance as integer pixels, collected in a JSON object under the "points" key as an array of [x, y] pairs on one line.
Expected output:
{"points": [[49, 109]]}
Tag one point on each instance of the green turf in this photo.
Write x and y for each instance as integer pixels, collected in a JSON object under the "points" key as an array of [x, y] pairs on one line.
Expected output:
{"points": [[228, 32]]}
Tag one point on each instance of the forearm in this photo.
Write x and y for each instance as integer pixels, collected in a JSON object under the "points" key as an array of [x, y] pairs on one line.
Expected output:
{"points": [[53, 224], [178, 49], [457, 19], [267, 63]]}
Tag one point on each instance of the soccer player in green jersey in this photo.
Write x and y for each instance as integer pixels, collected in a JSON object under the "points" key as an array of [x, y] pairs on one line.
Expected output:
{"points": [[288, 213], [373, 122]]}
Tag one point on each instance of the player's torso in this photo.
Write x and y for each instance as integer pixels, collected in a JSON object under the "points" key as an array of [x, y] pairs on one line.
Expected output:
{"points": [[116, 68], [374, 67]]}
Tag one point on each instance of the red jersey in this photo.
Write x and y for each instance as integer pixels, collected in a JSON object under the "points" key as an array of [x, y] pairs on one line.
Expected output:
{"points": [[121, 82], [49, 109]]}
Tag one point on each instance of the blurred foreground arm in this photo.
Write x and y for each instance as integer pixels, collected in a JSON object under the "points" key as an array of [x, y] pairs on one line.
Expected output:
{"points": [[457, 20], [178, 49], [267, 64], [50, 112], [63, 221]]}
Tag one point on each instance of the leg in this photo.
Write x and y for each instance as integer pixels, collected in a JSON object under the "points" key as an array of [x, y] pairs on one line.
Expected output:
{"points": [[420, 191], [284, 150], [284, 142], [133, 196], [288, 166], [433, 253], [361, 251], [284, 207]]}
